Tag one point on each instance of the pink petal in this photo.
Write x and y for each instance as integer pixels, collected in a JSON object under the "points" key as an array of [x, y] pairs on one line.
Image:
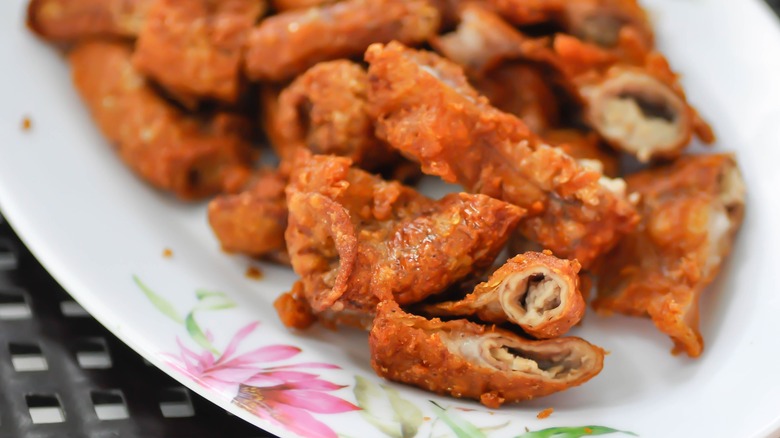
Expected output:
{"points": [[277, 378], [306, 365], [296, 420], [209, 336], [314, 385], [232, 375], [237, 338], [271, 353], [311, 401]]}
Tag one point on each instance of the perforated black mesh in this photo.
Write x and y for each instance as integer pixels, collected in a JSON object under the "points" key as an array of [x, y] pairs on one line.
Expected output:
{"points": [[63, 375]]}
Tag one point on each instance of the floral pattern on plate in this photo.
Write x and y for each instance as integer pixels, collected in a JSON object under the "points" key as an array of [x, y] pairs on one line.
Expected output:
{"points": [[286, 394]]}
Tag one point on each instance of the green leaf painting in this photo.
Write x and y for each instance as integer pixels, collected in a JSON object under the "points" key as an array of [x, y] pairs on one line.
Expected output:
{"points": [[384, 408], [197, 335], [163, 305], [461, 427], [573, 432]]}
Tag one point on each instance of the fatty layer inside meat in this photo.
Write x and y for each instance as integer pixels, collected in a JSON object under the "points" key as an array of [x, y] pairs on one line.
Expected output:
{"points": [[561, 361], [532, 298]]}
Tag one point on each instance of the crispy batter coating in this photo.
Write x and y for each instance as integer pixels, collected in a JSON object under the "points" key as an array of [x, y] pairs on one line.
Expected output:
{"points": [[481, 41], [586, 147], [426, 109], [171, 150], [68, 21], [596, 21], [691, 210], [350, 231], [194, 49], [536, 291], [287, 44], [468, 360], [286, 5], [324, 110], [630, 96], [521, 89], [252, 222]]}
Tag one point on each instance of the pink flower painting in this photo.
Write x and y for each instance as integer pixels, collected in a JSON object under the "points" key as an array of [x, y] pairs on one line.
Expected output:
{"points": [[281, 394]]}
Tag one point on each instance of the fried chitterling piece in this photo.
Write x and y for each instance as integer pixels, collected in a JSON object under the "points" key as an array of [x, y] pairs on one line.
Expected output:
{"points": [[286, 5], [468, 360], [536, 291], [691, 210], [481, 41], [521, 89], [252, 222], [586, 147], [596, 21], [67, 21], [635, 102], [287, 44], [426, 109], [171, 150], [324, 110], [350, 231], [194, 49]]}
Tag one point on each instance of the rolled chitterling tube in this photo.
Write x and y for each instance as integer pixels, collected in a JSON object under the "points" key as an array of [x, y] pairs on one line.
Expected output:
{"points": [[349, 231], [468, 360], [287, 44], [537, 291], [187, 154], [69, 21]]}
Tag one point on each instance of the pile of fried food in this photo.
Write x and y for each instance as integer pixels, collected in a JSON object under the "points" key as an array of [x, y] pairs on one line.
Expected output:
{"points": [[527, 104]]}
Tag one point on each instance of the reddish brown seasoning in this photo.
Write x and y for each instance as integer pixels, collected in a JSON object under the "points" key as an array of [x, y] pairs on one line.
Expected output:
{"points": [[167, 253], [254, 273], [26, 123], [544, 413]]}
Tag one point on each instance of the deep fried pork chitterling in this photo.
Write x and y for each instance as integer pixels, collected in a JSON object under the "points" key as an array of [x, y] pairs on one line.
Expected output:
{"points": [[598, 21], [536, 291], [350, 231], [426, 109], [691, 210], [634, 102], [287, 44], [468, 360], [586, 147], [67, 21], [324, 110], [194, 49], [522, 90], [481, 41], [286, 5], [252, 222], [171, 150]]}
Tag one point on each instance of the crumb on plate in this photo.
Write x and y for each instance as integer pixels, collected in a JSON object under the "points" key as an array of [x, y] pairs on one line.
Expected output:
{"points": [[544, 413], [254, 273], [167, 253], [26, 123]]}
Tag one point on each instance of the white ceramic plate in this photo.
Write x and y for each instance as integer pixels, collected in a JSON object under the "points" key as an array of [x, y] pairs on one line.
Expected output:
{"points": [[96, 227]]}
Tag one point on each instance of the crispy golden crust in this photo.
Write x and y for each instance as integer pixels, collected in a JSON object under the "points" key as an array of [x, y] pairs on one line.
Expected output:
{"points": [[324, 110], [287, 44], [350, 231], [521, 90], [596, 21], [426, 109], [585, 145], [68, 21], [194, 49], [286, 5], [481, 41], [171, 150], [252, 222], [468, 360], [691, 211], [629, 95], [536, 291]]}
